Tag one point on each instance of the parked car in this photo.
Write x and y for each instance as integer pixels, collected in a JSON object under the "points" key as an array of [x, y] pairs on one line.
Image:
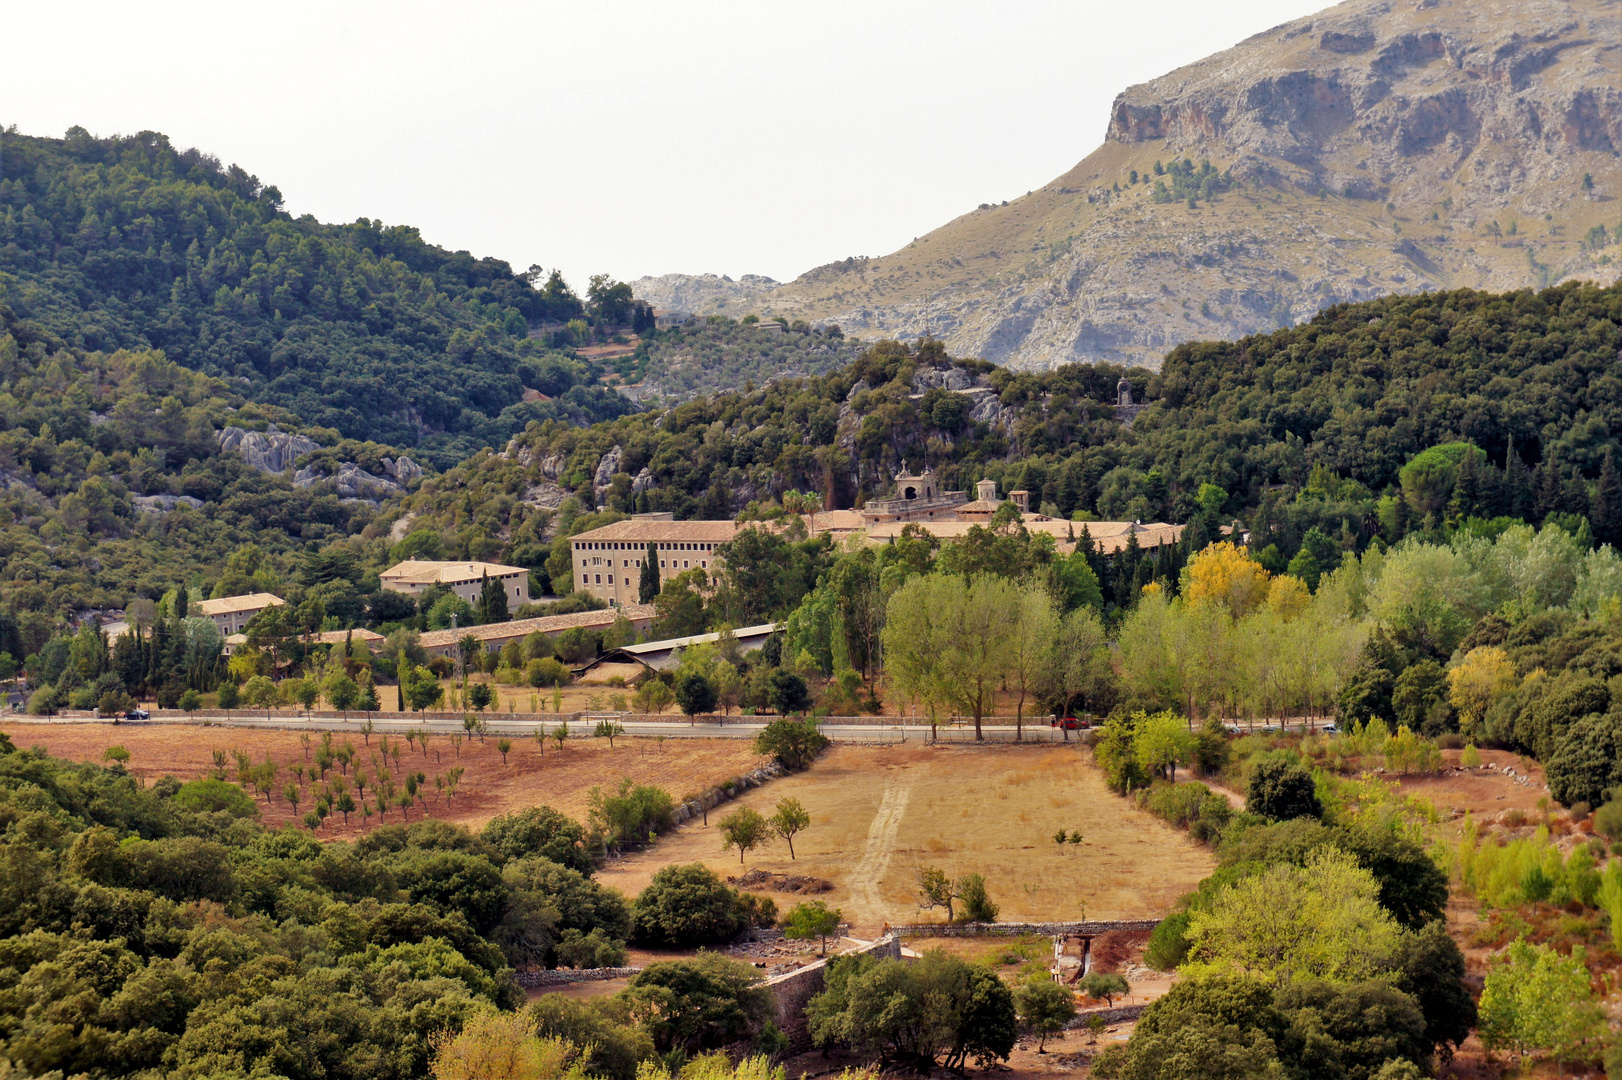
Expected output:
{"points": [[1330, 729], [1071, 723], [137, 714]]}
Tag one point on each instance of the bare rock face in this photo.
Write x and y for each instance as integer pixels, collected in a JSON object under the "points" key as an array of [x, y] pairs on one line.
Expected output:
{"points": [[163, 504], [1375, 147], [354, 483], [696, 292], [271, 451]]}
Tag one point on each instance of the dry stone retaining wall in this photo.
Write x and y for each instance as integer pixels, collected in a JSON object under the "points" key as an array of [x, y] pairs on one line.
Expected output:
{"points": [[791, 992], [1079, 929], [563, 976]]}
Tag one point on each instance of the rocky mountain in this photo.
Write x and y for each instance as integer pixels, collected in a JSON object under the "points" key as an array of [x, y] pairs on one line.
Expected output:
{"points": [[699, 292], [1373, 148]]}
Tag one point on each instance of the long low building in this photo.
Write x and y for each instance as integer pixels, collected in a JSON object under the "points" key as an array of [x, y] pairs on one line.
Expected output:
{"points": [[326, 637], [660, 655], [1109, 536], [495, 636]]}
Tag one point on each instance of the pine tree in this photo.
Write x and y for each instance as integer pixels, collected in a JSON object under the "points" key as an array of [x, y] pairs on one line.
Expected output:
{"points": [[648, 588], [492, 606], [1606, 513]]}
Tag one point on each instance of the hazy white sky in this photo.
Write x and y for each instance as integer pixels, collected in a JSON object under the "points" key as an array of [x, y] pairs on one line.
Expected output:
{"points": [[628, 138]]}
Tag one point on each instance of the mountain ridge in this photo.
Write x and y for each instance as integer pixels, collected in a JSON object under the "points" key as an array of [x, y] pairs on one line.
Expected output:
{"points": [[1368, 149]]}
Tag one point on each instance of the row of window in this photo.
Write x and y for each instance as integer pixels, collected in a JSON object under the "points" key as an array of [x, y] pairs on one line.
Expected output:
{"points": [[686, 564], [624, 545]]}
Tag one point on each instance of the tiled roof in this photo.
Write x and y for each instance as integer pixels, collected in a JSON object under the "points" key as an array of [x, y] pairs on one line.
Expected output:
{"points": [[641, 532], [326, 637], [227, 605], [1110, 536], [548, 624], [426, 572], [835, 521]]}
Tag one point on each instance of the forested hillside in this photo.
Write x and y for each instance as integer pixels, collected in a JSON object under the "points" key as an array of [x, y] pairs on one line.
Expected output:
{"points": [[718, 354], [83, 436], [1309, 426], [126, 242]]}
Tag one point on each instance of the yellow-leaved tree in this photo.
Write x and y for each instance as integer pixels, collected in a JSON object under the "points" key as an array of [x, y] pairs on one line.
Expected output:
{"points": [[1225, 573], [503, 1046], [1479, 680]]}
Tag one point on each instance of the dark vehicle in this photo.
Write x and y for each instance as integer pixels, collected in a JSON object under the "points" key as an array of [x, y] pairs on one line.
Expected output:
{"points": [[137, 714], [1071, 723]]}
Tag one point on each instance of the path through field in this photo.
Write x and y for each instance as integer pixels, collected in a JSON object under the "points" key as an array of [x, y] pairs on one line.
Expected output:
{"points": [[875, 860], [879, 814]]}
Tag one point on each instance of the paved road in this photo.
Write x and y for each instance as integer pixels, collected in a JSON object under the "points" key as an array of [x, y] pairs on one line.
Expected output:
{"points": [[740, 728]]}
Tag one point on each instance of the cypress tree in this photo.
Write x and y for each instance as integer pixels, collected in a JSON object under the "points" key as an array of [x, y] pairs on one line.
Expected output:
{"points": [[648, 587], [492, 601], [1466, 489], [1399, 517], [1549, 493], [1606, 513], [1518, 497], [182, 600]]}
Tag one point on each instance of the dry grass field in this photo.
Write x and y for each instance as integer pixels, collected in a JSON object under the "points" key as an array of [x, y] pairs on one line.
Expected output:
{"points": [[488, 788], [880, 813]]}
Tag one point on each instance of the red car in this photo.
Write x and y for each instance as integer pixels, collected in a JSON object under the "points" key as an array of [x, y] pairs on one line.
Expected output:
{"points": [[1070, 723]]}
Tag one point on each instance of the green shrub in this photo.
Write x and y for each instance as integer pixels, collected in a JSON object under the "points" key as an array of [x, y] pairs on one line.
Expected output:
{"points": [[1168, 944], [215, 795], [687, 905]]}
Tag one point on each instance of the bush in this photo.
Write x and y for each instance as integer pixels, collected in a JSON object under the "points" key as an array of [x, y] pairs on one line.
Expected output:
{"points": [[977, 906], [939, 1009], [634, 813], [793, 744], [542, 831], [593, 950], [1608, 820], [1191, 806], [1280, 789], [687, 905], [612, 1049], [546, 671], [698, 1004], [215, 796], [1168, 944]]}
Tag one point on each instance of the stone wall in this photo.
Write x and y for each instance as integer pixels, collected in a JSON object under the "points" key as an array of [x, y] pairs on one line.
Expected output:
{"points": [[564, 976], [1078, 929], [791, 992], [1111, 1016]]}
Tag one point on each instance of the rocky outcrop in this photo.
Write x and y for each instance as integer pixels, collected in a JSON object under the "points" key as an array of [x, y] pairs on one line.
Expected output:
{"points": [[354, 483], [1372, 148], [696, 292], [163, 504], [271, 450]]}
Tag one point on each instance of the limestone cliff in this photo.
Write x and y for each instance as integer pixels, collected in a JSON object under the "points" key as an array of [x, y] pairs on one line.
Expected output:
{"points": [[1374, 147]]}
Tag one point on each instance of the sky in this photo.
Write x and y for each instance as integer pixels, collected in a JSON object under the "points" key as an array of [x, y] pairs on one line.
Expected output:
{"points": [[622, 137]]}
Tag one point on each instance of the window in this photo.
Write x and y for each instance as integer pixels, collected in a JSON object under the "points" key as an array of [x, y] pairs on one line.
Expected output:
{"points": [[704, 565], [611, 579], [599, 579]]}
